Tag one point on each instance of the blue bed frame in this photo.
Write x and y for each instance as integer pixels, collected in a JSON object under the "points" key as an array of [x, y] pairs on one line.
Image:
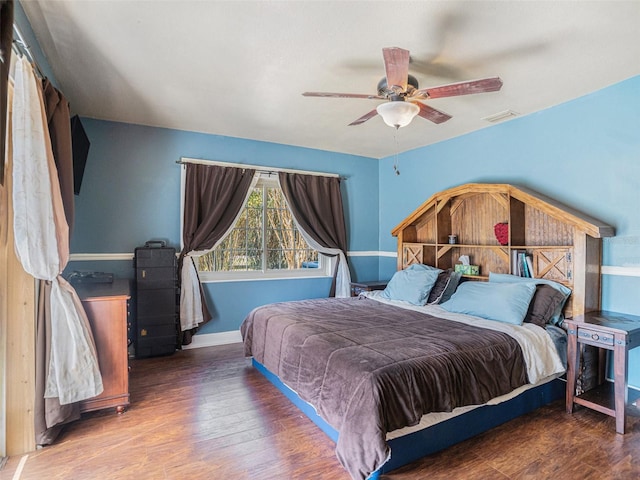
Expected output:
{"points": [[414, 446]]}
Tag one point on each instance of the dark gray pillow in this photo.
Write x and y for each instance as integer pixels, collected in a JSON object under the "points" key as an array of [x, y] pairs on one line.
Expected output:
{"points": [[543, 305], [444, 287]]}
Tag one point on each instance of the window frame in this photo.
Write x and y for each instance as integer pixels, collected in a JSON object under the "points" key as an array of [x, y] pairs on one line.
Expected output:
{"points": [[326, 264]]}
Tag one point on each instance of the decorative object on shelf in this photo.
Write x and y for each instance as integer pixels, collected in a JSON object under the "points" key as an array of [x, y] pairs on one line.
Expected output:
{"points": [[453, 239], [465, 267], [501, 231]]}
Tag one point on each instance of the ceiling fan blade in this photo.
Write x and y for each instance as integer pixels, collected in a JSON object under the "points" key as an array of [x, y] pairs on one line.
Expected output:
{"points": [[492, 84], [431, 114], [342, 95], [364, 118], [396, 65]]}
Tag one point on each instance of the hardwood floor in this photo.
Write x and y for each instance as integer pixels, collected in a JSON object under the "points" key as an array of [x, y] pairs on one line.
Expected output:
{"points": [[207, 414]]}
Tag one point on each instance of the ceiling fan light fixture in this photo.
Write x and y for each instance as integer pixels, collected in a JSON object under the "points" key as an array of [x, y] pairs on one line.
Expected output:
{"points": [[397, 114]]}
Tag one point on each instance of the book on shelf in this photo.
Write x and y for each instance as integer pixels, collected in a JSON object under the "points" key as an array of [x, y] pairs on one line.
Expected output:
{"points": [[529, 261], [515, 262], [521, 263]]}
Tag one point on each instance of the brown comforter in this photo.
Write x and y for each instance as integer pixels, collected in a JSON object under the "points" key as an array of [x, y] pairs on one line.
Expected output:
{"points": [[369, 368]]}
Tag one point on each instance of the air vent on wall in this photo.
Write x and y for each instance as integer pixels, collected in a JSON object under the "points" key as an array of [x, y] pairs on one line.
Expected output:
{"points": [[498, 117]]}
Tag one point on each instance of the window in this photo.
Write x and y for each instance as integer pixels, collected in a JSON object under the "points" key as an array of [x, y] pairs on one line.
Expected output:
{"points": [[264, 242]]}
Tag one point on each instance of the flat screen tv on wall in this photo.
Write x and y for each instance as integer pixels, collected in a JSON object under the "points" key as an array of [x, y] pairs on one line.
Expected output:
{"points": [[80, 145]]}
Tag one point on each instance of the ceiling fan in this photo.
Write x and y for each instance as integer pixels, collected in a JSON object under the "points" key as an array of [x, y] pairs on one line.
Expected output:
{"points": [[403, 95]]}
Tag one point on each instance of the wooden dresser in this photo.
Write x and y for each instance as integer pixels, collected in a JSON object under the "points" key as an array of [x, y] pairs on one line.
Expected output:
{"points": [[106, 305]]}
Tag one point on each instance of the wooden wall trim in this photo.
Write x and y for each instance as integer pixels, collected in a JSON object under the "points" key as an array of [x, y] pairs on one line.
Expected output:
{"points": [[17, 334]]}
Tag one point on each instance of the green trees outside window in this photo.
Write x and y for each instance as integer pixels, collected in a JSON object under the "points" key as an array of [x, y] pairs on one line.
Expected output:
{"points": [[264, 237]]}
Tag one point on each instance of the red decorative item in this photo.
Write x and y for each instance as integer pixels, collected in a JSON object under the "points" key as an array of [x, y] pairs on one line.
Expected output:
{"points": [[501, 231]]}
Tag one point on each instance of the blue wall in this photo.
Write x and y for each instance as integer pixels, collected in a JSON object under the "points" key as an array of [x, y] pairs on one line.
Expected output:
{"points": [[20, 19], [584, 153], [130, 193]]}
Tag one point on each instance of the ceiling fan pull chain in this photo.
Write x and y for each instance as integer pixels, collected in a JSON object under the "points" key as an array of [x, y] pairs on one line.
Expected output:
{"points": [[395, 158]]}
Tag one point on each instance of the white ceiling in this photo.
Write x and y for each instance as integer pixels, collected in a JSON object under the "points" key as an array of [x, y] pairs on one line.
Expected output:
{"points": [[239, 68]]}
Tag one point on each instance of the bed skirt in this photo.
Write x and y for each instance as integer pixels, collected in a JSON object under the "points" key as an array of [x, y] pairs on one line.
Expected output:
{"points": [[413, 446]]}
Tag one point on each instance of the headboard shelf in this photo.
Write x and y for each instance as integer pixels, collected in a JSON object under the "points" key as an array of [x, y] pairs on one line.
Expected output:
{"points": [[563, 244]]}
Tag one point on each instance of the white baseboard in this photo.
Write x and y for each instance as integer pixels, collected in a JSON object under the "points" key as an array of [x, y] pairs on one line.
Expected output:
{"points": [[213, 339]]}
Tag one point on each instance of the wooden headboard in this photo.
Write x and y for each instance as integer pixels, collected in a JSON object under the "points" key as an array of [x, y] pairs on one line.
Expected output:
{"points": [[563, 244]]}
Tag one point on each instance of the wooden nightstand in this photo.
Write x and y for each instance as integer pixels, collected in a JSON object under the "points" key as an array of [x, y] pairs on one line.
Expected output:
{"points": [[359, 287], [611, 331]]}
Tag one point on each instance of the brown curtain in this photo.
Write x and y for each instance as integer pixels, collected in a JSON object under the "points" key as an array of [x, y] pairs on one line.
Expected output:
{"points": [[59, 123], [214, 196], [50, 415], [6, 38], [316, 204]]}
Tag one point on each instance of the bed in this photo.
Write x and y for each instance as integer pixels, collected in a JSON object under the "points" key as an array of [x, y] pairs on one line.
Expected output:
{"points": [[371, 366], [432, 360]]}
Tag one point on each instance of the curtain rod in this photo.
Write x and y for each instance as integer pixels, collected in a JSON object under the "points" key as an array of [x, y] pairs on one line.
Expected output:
{"points": [[21, 47], [259, 168]]}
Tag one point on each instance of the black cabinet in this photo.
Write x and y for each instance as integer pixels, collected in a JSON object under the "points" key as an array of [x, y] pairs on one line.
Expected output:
{"points": [[156, 294]]}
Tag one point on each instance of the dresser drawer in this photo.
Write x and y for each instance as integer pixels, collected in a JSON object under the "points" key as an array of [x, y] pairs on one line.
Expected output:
{"points": [[595, 336]]}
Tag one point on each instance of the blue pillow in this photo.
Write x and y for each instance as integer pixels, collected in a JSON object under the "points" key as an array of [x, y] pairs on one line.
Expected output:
{"points": [[556, 317], [412, 284], [504, 302]]}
